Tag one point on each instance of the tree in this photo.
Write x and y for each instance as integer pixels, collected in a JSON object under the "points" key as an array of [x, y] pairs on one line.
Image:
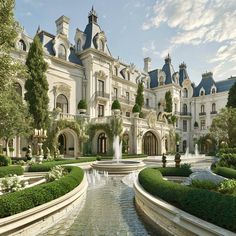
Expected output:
{"points": [[37, 85], [14, 116], [168, 99], [232, 97], [223, 127], [140, 98]]}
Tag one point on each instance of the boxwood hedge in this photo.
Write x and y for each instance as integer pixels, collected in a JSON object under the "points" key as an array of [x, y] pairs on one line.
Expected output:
{"points": [[211, 206], [173, 171], [11, 170], [16, 202], [225, 172], [46, 166]]}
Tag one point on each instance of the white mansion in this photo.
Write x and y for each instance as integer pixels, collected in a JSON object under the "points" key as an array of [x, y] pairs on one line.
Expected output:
{"points": [[86, 70]]}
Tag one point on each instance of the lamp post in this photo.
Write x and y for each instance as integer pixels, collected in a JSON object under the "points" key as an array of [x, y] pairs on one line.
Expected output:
{"points": [[40, 135], [177, 146]]}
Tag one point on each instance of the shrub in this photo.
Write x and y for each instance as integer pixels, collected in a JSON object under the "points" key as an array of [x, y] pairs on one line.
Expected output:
{"points": [[11, 170], [227, 160], [5, 161], [136, 108], [203, 184], [228, 186], [55, 173], [115, 105], [48, 165], [82, 104], [227, 151], [12, 184], [174, 171], [211, 206], [225, 172], [17, 202]]}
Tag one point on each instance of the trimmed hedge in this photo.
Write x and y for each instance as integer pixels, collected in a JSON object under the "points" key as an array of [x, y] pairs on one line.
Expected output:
{"points": [[5, 161], [173, 171], [16, 202], [47, 166], [11, 170], [228, 160], [213, 207], [225, 172], [227, 151]]}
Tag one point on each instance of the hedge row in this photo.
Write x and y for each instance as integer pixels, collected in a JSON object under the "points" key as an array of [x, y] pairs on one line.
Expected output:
{"points": [[227, 151], [172, 171], [16, 202], [225, 172], [213, 207], [228, 160], [46, 166], [11, 170]]}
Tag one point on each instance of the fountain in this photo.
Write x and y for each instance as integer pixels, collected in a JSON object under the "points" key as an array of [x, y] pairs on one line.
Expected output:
{"points": [[117, 165]]}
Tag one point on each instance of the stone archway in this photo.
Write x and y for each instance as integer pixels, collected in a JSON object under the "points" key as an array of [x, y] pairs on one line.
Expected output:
{"points": [[150, 144], [68, 142]]}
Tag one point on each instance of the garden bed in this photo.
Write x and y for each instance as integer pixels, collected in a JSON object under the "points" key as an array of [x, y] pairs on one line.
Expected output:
{"points": [[11, 170]]}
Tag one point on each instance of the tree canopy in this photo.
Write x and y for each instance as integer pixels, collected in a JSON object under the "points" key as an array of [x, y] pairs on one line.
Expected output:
{"points": [[223, 127], [232, 97], [37, 85]]}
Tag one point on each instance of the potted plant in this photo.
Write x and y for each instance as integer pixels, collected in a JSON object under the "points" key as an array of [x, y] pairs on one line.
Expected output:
{"points": [[82, 106], [115, 107], [136, 110]]}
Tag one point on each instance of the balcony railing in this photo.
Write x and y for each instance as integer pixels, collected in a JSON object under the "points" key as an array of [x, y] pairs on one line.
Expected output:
{"points": [[202, 113], [183, 113], [213, 112], [102, 94]]}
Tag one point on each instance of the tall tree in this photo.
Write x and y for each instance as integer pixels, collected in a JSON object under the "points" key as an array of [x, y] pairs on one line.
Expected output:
{"points": [[168, 99], [37, 85], [140, 98], [232, 97], [223, 127]]}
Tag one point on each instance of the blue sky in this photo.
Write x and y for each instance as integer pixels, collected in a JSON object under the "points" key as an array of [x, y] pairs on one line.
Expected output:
{"points": [[201, 33]]}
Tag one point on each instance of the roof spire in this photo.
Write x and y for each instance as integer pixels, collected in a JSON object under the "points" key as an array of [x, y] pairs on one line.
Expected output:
{"points": [[38, 30], [168, 59], [92, 16]]}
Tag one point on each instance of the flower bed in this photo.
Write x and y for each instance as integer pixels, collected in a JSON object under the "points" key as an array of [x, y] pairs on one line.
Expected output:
{"points": [[11, 170], [213, 207], [17, 202], [46, 166]]}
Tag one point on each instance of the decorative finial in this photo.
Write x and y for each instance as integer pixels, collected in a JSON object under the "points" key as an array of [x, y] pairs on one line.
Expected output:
{"points": [[38, 30]]}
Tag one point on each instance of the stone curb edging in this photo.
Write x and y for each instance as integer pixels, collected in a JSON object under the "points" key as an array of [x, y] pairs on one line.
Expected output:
{"points": [[173, 220], [38, 219]]}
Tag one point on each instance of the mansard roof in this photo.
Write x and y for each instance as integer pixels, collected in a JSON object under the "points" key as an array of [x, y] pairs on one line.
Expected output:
{"points": [[183, 74], [225, 85], [168, 69], [153, 78]]}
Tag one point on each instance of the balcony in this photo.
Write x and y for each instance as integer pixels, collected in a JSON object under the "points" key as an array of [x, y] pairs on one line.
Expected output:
{"points": [[147, 106], [123, 100], [102, 94], [213, 112], [183, 113], [202, 113]]}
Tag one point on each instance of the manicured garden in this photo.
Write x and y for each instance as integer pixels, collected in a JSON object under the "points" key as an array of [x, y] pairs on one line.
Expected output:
{"points": [[212, 206]]}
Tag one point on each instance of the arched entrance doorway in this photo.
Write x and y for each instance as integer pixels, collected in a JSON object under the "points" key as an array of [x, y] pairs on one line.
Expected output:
{"points": [[150, 144], [102, 144], [62, 144]]}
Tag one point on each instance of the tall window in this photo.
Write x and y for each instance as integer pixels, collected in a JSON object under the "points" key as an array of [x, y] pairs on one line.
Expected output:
{"points": [[184, 145], [116, 93], [22, 45], [79, 45], [62, 52], [185, 93], [175, 107], [213, 107], [185, 126], [127, 96], [213, 91], [202, 108], [127, 114], [147, 102], [102, 143], [203, 124], [101, 87], [62, 103], [116, 71], [100, 110], [202, 93], [185, 109]]}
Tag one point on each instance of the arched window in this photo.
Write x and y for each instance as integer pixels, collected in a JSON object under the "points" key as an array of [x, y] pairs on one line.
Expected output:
{"points": [[213, 107], [161, 81], [202, 93], [213, 91], [102, 143], [185, 93], [101, 45], [62, 103], [185, 109], [202, 108], [18, 88], [62, 52], [79, 45], [150, 144], [22, 45]]}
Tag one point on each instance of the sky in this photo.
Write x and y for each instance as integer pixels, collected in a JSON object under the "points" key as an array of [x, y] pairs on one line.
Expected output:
{"points": [[201, 33]]}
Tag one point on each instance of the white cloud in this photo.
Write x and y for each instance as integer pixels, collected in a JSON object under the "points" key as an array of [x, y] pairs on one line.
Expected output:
{"points": [[150, 49]]}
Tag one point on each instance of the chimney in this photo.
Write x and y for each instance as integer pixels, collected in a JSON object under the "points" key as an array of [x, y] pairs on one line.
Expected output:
{"points": [[147, 64], [62, 24]]}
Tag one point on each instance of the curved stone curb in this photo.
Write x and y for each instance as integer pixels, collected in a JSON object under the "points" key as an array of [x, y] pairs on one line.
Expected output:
{"points": [[38, 219], [173, 220]]}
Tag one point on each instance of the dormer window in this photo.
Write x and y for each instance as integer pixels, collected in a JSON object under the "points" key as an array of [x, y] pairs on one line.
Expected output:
{"points": [[79, 45], [22, 45], [161, 81], [202, 93], [62, 52], [185, 93], [213, 91], [101, 45]]}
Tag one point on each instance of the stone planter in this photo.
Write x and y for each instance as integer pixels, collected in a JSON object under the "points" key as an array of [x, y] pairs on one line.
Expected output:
{"points": [[82, 111], [116, 112], [136, 114]]}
